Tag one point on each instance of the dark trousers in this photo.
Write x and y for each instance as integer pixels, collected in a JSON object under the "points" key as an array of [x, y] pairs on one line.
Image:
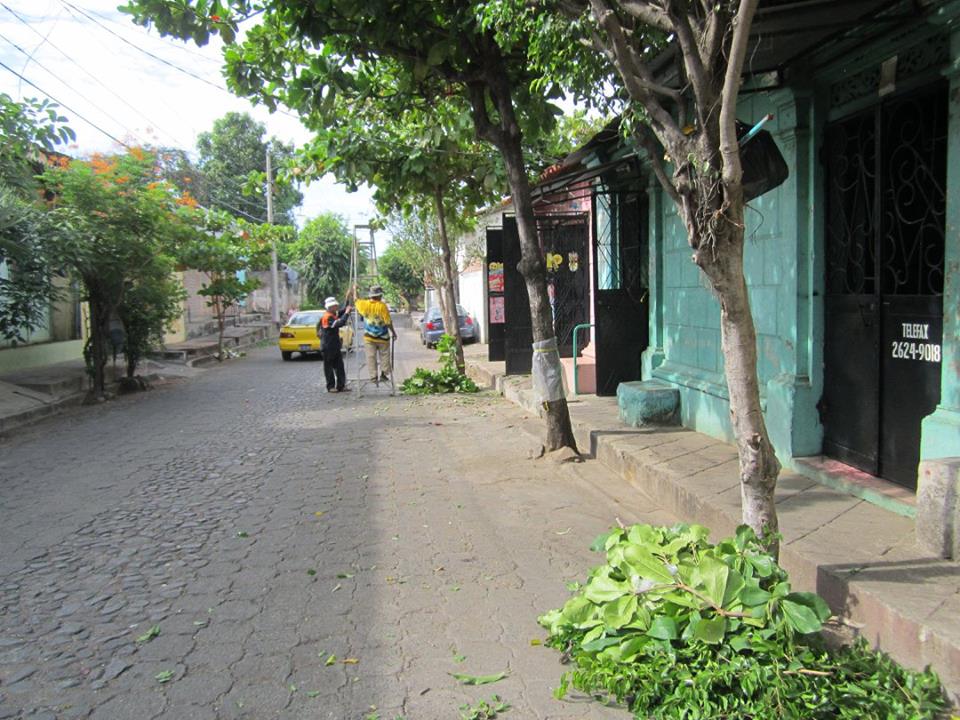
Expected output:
{"points": [[333, 366]]}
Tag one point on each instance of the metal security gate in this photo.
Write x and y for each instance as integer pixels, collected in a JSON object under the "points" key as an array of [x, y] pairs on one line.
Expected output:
{"points": [[495, 311], [621, 281], [518, 333], [563, 238], [886, 180]]}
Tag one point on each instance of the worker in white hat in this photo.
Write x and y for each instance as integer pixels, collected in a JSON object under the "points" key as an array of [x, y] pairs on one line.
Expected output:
{"points": [[330, 345]]}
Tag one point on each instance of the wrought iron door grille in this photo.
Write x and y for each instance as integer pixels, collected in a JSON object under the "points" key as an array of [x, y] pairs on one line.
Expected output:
{"points": [[885, 211], [563, 238]]}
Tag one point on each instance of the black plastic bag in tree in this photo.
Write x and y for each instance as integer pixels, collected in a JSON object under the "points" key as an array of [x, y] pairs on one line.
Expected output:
{"points": [[763, 166]]}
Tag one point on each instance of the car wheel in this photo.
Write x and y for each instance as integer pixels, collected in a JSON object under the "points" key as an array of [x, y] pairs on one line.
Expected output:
{"points": [[287, 354]]}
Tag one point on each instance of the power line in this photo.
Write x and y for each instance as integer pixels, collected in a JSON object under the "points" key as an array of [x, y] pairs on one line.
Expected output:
{"points": [[184, 48], [204, 80], [50, 72], [132, 44], [87, 72], [64, 105]]}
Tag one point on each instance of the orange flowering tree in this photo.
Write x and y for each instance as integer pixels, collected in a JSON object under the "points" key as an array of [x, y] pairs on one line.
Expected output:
{"points": [[129, 223]]}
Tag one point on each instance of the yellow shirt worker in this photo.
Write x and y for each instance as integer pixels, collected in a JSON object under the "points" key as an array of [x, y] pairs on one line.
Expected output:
{"points": [[377, 329]]}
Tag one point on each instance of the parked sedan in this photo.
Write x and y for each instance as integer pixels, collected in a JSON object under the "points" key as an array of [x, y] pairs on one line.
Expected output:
{"points": [[300, 334], [431, 326]]}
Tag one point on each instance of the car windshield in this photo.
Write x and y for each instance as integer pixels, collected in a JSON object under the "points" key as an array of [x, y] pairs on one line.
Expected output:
{"points": [[305, 318], [434, 314]]}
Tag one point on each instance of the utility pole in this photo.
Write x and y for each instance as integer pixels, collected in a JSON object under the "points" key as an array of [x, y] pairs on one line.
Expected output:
{"points": [[274, 272]]}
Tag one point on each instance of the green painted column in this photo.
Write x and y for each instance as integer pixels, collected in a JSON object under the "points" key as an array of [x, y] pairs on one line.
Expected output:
{"points": [[792, 394], [653, 355], [941, 431]]}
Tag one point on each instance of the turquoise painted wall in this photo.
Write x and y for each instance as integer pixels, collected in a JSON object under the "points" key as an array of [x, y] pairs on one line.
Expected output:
{"points": [[779, 269], [784, 265]]}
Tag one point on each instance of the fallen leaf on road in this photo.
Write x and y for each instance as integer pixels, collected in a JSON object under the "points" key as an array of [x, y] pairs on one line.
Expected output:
{"points": [[242, 534], [313, 693], [536, 641], [331, 660], [164, 676], [336, 587], [320, 513], [350, 661], [344, 575], [149, 634], [563, 532], [478, 679]]}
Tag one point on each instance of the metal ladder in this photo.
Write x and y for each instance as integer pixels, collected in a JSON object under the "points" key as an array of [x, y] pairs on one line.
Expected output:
{"points": [[364, 254]]}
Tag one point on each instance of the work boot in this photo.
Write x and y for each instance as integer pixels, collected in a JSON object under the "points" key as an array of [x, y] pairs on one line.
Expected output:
{"points": [[384, 377]]}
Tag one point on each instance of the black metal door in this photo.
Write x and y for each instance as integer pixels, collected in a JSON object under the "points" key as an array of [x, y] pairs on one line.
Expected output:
{"points": [[563, 238], [518, 330], [494, 280], [886, 178], [621, 287]]}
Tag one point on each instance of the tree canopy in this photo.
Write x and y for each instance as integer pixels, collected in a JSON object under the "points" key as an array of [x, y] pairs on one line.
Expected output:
{"points": [[232, 166]]}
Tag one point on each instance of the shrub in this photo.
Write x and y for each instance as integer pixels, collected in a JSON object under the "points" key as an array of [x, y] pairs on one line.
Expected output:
{"points": [[675, 627]]}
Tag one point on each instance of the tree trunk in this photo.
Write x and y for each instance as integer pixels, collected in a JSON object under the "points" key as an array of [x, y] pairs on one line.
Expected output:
{"points": [[759, 466], [533, 269], [451, 322], [221, 312], [99, 323]]}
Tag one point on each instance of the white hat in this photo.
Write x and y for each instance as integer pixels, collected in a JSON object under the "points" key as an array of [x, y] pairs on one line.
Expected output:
{"points": [[330, 302]]}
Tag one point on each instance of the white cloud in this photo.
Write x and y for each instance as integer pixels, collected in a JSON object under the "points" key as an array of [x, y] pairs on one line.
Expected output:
{"points": [[132, 96]]}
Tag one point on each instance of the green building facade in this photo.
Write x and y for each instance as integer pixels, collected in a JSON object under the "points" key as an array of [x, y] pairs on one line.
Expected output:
{"points": [[849, 262]]}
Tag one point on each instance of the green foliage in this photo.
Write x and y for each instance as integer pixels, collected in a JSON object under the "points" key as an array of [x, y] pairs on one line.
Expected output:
{"points": [[321, 252], [35, 242], [402, 280], [28, 130], [149, 307], [673, 626], [127, 225], [445, 380], [232, 170]]}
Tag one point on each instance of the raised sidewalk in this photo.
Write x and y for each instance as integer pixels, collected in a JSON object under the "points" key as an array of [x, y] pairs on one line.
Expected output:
{"points": [[861, 558]]}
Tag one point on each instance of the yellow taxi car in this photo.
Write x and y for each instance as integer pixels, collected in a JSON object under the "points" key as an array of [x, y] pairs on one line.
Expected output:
{"points": [[300, 334]]}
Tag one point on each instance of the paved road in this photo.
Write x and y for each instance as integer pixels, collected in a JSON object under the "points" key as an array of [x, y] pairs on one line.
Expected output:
{"points": [[304, 555]]}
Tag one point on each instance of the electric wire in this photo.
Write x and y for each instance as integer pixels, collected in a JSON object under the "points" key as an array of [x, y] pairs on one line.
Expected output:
{"points": [[64, 105], [184, 48], [173, 65], [54, 75], [71, 7], [91, 75]]}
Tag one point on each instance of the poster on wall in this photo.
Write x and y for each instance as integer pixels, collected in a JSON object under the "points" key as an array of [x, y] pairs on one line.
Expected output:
{"points": [[497, 315], [495, 277]]}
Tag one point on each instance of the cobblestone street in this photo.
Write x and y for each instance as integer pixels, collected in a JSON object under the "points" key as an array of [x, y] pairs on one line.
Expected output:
{"points": [[303, 555]]}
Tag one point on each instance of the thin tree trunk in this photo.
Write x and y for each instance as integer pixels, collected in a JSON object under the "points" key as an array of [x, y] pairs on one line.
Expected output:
{"points": [[221, 311], [98, 340], [506, 136], [533, 269], [451, 321], [759, 467]]}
